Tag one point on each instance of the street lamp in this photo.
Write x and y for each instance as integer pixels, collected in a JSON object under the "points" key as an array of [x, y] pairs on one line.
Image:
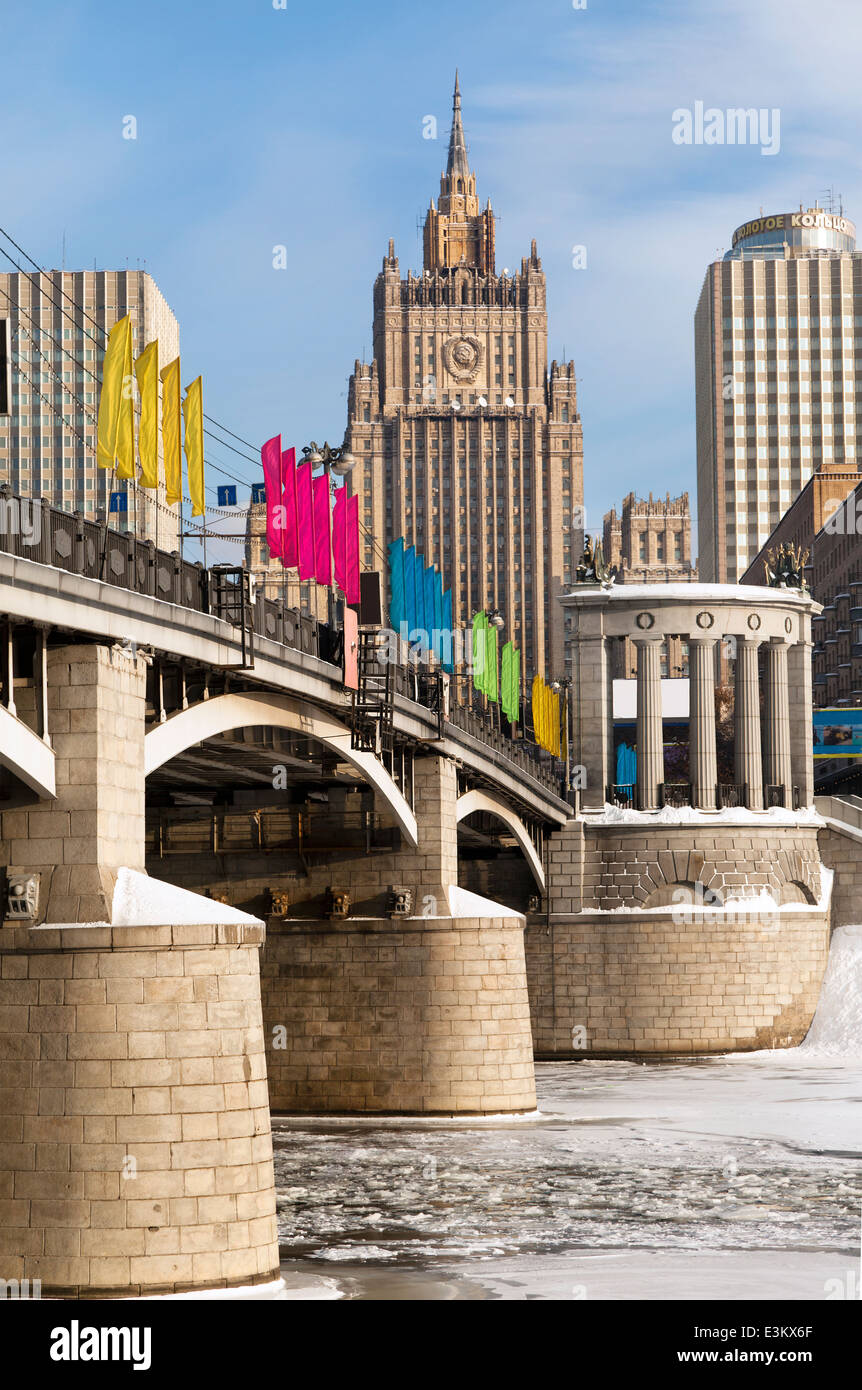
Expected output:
{"points": [[338, 461], [565, 685]]}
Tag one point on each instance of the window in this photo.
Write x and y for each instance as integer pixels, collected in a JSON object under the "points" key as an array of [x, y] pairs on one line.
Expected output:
{"points": [[642, 551]]}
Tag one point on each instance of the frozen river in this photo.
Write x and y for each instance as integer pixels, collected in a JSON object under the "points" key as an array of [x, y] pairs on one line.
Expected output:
{"points": [[730, 1177]]}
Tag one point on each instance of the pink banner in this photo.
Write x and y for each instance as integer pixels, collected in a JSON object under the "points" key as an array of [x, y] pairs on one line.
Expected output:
{"points": [[351, 592], [270, 457], [305, 521], [339, 539], [351, 649], [290, 533], [322, 543]]}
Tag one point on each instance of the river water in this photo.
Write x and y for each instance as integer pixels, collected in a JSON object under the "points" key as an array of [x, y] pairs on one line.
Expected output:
{"points": [[727, 1177]]}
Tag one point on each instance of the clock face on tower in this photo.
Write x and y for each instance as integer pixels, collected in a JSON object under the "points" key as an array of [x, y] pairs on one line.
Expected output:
{"points": [[462, 358]]}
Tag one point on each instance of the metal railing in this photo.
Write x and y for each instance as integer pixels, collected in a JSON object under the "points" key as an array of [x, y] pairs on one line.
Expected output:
{"points": [[674, 794], [36, 530], [623, 794], [731, 794]]}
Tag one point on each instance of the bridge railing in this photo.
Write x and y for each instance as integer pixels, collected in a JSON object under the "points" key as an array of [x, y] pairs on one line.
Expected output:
{"points": [[36, 530]]}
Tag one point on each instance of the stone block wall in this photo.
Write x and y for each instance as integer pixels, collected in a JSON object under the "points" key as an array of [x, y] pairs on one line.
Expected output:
{"points": [[135, 1143], [842, 852], [422, 1016], [642, 983], [96, 709], [639, 865]]}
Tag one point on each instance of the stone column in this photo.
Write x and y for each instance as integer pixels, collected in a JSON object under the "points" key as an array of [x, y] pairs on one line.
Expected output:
{"points": [[650, 741], [799, 683], [746, 721], [703, 768], [95, 825], [592, 706], [776, 758]]}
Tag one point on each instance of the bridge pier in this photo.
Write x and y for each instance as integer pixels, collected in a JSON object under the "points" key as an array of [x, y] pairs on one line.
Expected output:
{"points": [[96, 707], [426, 1014], [135, 1142]]}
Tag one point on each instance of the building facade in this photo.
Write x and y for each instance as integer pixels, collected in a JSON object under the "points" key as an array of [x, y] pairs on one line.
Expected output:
{"points": [[48, 440], [649, 542], [469, 443], [826, 520], [778, 367]]}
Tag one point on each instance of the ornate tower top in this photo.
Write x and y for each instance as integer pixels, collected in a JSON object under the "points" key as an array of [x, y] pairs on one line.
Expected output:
{"points": [[457, 232]]}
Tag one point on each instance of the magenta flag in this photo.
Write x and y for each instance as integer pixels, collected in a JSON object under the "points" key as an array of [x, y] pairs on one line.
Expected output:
{"points": [[305, 521], [270, 457], [290, 552], [351, 592], [339, 539], [322, 543]]}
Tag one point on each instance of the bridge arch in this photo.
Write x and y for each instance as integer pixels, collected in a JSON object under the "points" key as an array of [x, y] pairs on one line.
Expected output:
{"points": [[222, 713], [472, 801], [26, 755]]}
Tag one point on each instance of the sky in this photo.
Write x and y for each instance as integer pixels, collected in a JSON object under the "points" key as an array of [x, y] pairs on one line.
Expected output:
{"points": [[261, 125]]}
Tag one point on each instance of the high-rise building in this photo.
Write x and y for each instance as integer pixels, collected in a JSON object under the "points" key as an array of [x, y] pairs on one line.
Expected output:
{"points": [[649, 540], [778, 364], [48, 441], [468, 442]]}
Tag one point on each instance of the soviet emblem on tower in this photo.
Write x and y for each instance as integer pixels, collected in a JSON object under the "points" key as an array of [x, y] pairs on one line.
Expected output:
{"points": [[463, 358]]}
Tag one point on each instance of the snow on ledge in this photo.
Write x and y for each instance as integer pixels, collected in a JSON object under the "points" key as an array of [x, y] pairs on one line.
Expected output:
{"points": [[141, 901], [688, 815], [465, 904]]}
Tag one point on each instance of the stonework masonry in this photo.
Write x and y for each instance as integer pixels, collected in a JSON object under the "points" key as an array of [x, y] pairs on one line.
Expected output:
{"points": [[135, 1144], [96, 709], [426, 1016]]}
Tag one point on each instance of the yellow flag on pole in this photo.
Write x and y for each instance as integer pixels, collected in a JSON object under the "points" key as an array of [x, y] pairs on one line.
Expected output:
{"points": [[126, 422], [171, 433], [115, 399], [147, 373], [193, 414]]}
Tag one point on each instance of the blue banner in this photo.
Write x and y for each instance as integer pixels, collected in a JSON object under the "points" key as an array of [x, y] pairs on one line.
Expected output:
{"points": [[419, 585], [447, 624], [397, 614], [410, 614], [438, 613], [430, 573]]}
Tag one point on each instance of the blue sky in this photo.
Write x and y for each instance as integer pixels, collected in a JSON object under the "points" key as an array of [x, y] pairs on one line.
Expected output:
{"points": [[303, 127]]}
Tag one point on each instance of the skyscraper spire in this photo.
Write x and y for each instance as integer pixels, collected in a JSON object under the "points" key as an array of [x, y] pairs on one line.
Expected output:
{"points": [[457, 232], [457, 162]]}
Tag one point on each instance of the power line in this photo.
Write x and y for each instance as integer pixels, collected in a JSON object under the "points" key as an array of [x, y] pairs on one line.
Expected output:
{"points": [[104, 332]]}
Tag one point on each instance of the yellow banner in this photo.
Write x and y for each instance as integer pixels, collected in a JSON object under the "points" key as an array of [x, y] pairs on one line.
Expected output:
{"points": [[147, 373], [114, 393], [171, 441], [193, 414]]}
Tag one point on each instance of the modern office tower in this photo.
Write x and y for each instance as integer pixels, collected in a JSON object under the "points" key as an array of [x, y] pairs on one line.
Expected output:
{"points": [[48, 441], [778, 365], [469, 443]]}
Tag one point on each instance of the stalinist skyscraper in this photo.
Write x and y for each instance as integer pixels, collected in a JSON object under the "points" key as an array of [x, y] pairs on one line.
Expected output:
{"points": [[469, 443]]}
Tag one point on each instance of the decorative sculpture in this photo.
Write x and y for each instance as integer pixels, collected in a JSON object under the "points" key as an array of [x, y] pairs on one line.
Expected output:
{"points": [[785, 567], [592, 568]]}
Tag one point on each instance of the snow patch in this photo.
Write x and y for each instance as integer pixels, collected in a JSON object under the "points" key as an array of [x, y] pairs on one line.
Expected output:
{"points": [[465, 904], [686, 815], [837, 1027], [141, 901]]}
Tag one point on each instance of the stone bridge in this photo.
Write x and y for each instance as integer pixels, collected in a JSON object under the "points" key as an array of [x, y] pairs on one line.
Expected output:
{"points": [[233, 884]]}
